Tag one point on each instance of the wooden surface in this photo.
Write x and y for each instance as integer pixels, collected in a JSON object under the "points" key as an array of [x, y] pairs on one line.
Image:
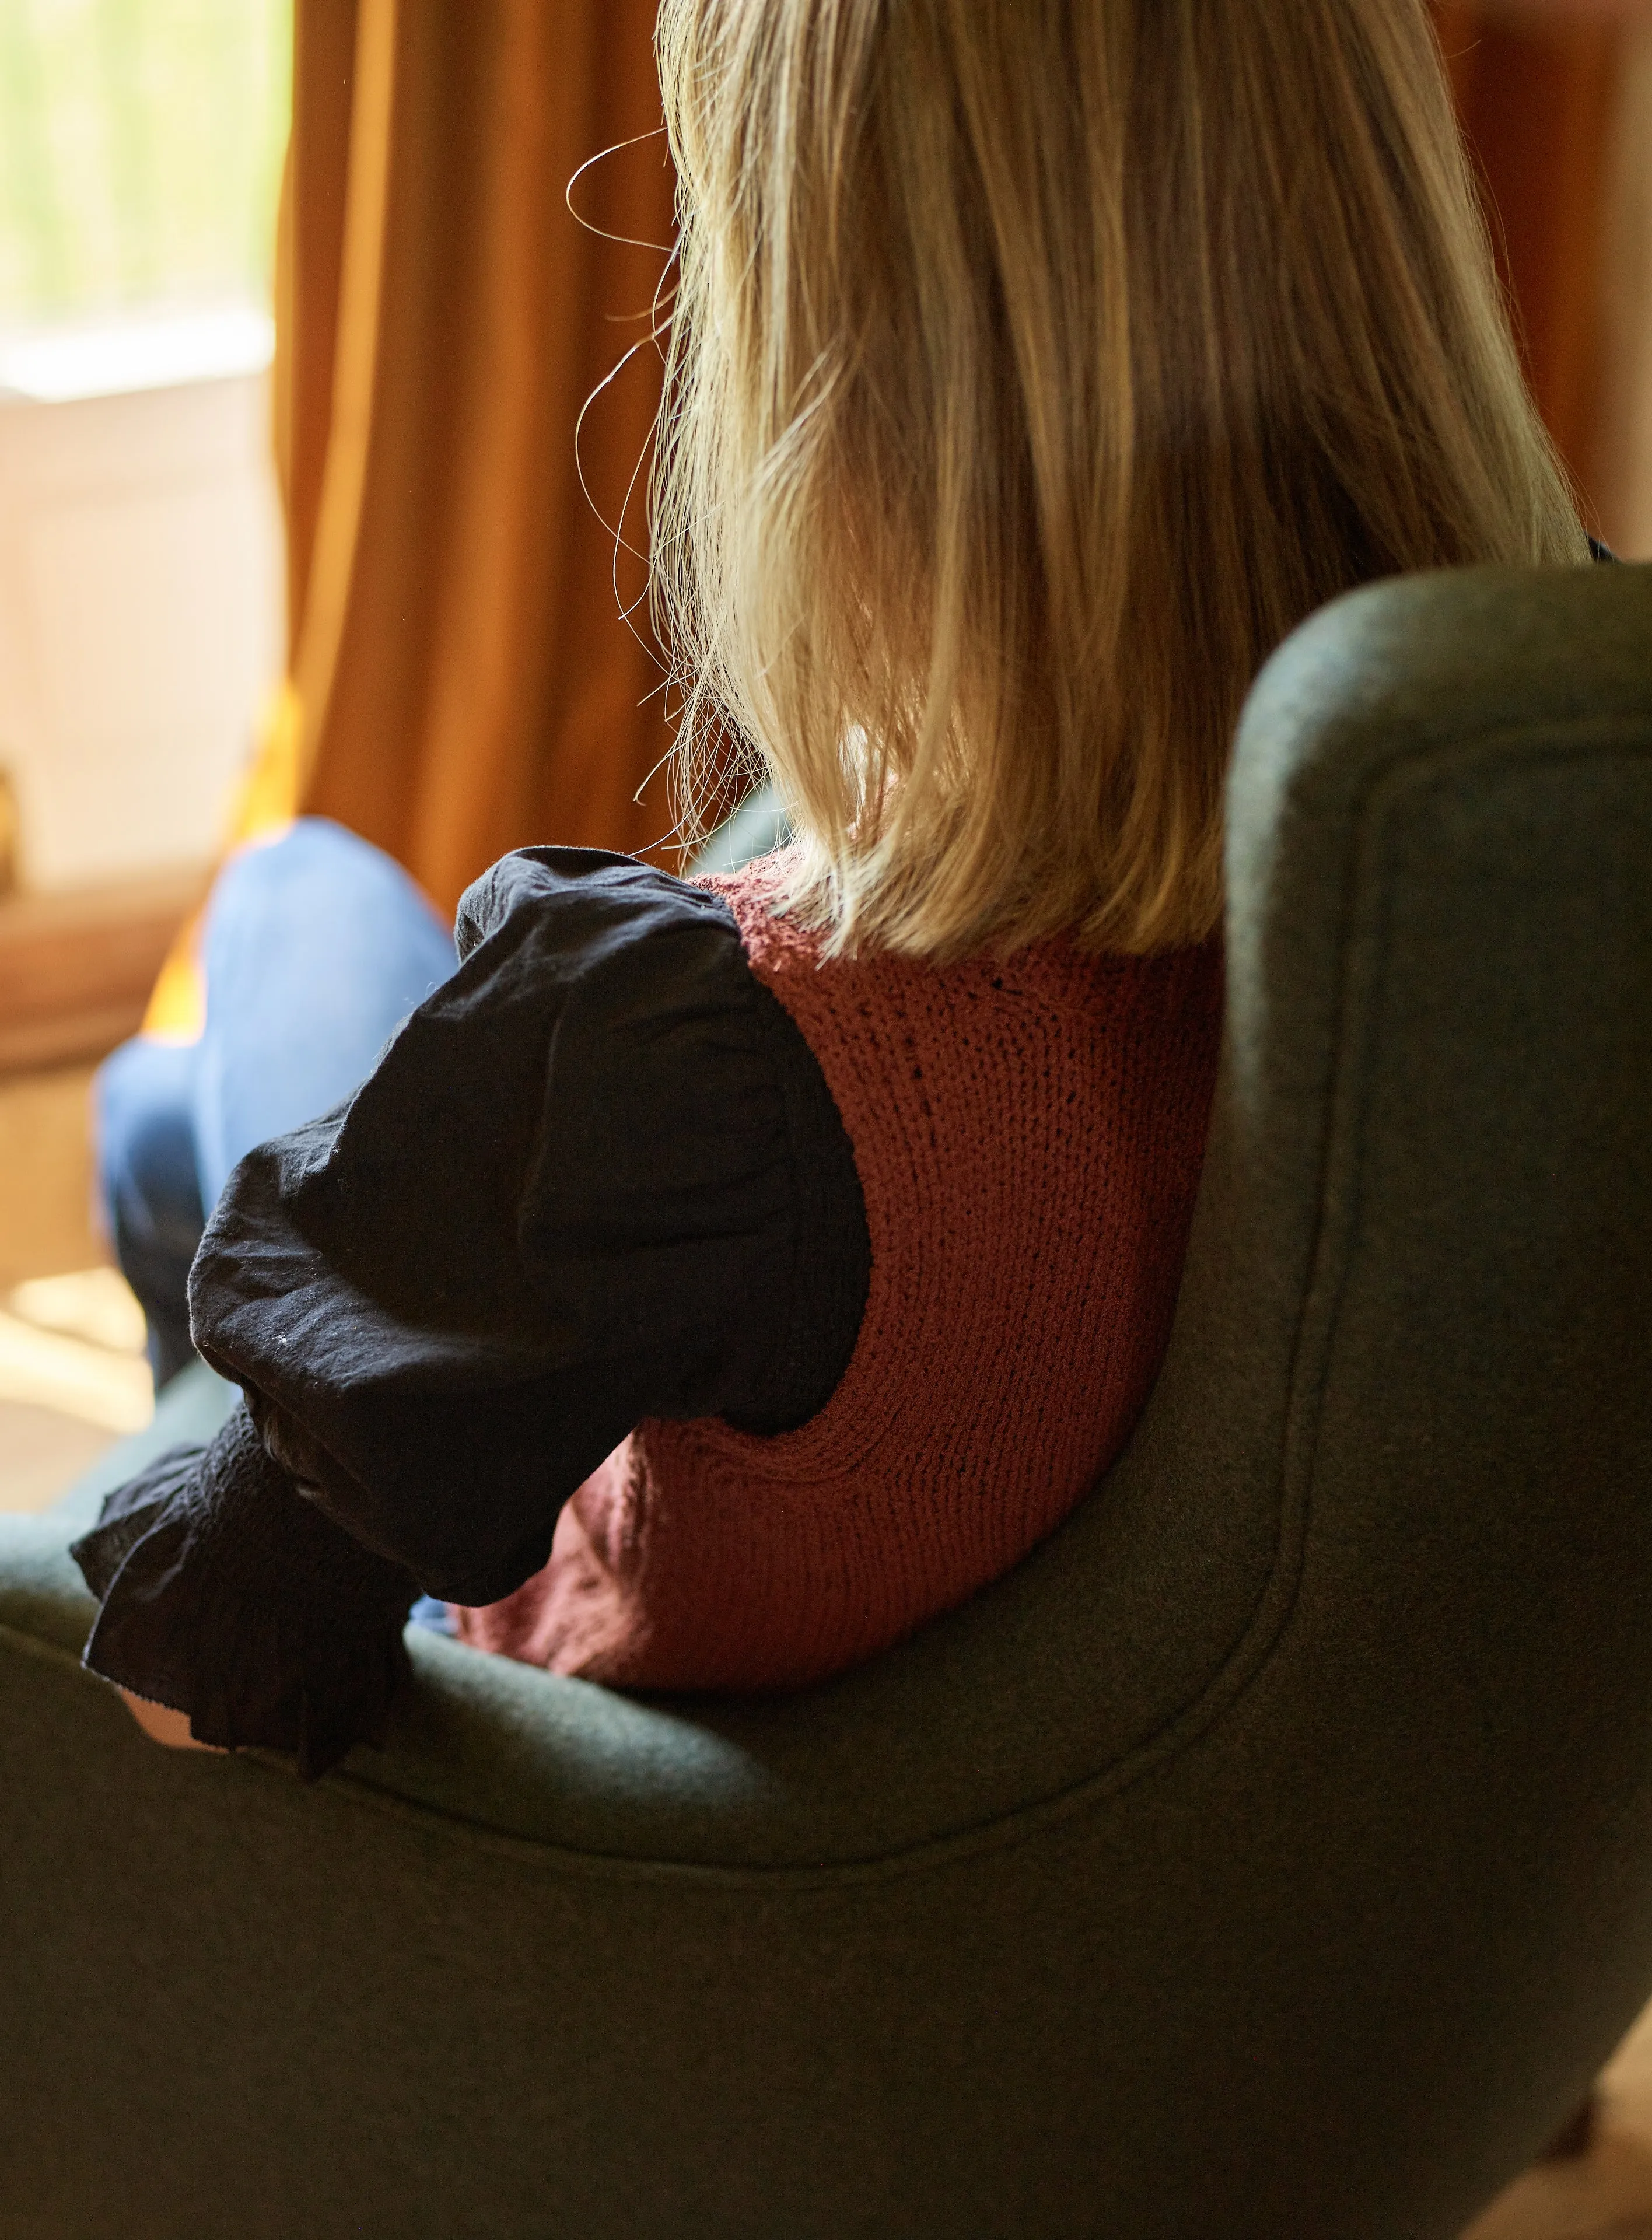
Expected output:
{"points": [[47, 1229], [76, 969], [47, 1226]]}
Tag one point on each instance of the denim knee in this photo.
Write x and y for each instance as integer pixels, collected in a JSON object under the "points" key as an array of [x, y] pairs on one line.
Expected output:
{"points": [[147, 1188]]}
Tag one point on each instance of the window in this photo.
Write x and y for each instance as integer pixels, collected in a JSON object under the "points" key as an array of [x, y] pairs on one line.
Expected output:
{"points": [[140, 143]]}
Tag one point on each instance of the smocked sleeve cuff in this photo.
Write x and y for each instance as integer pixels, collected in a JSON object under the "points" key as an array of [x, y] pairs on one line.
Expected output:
{"points": [[228, 1596]]}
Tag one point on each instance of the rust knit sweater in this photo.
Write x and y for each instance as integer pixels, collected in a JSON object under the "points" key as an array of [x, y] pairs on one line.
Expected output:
{"points": [[1027, 1134]]}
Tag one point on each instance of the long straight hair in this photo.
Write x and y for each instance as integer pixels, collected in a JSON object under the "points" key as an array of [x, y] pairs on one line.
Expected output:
{"points": [[1036, 367]]}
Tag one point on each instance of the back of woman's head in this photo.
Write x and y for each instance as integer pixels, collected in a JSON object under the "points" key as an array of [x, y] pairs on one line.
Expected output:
{"points": [[1037, 366]]}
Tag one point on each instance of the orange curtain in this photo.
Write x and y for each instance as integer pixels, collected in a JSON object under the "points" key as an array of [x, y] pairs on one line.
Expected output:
{"points": [[462, 680], [1542, 86]]}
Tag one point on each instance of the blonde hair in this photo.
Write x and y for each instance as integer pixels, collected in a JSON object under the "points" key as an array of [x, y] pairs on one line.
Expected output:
{"points": [[1036, 366]]}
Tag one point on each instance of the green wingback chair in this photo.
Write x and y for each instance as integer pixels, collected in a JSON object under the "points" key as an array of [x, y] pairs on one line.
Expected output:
{"points": [[1270, 1855]]}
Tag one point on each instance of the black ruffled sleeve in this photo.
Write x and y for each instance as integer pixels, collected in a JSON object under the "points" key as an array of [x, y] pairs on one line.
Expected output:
{"points": [[184, 1559], [596, 1176]]}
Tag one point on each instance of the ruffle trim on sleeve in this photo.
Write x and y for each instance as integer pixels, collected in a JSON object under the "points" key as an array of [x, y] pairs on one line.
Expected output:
{"points": [[228, 1596]]}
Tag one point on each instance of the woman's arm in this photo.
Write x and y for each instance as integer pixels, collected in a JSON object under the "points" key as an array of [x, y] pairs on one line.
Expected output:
{"points": [[565, 1200], [170, 1729]]}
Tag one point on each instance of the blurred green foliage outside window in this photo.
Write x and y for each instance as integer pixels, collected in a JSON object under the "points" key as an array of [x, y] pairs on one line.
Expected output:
{"points": [[141, 145]]}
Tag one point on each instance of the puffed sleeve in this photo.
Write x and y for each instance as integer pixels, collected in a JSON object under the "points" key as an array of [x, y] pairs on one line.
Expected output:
{"points": [[228, 1594], [567, 1197]]}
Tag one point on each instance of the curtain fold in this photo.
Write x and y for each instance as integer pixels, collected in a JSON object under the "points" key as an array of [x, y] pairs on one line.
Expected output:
{"points": [[1550, 95], [463, 679], [1535, 91], [1620, 461]]}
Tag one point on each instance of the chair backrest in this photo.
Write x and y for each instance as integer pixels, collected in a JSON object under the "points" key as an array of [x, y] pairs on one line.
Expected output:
{"points": [[1268, 1856], [1415, 1300], [1307, 1770]]}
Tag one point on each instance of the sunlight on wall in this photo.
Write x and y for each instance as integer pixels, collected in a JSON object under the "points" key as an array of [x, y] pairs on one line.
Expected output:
{"points": [[140, 622]]}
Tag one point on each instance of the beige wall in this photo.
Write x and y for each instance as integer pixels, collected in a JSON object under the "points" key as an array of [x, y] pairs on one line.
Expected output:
{"points": [[140, 619]]}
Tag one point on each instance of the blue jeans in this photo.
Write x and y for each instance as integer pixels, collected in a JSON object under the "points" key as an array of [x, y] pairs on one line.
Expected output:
{"points": [[314, 948]]}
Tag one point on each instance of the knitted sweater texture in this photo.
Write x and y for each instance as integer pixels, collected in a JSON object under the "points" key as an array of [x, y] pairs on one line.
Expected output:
{"points": [[1028, 1133]]}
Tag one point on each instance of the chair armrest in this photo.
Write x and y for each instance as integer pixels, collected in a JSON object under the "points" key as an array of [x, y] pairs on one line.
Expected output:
{"points": [[959, 1735]]}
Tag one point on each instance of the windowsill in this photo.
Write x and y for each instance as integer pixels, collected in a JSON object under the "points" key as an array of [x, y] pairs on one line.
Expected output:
{"points": [[68, 364]]}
